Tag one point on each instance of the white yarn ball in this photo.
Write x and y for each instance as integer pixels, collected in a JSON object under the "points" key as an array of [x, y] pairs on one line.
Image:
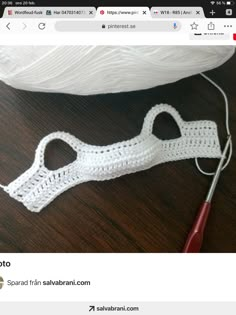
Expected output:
{"points": [[86, 70]]}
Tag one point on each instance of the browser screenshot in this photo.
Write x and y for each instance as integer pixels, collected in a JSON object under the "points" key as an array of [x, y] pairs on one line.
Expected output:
{"points": [[117, 157]]}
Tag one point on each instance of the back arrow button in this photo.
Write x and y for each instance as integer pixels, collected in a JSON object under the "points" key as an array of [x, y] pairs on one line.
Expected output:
{"points": [[8, 26]]}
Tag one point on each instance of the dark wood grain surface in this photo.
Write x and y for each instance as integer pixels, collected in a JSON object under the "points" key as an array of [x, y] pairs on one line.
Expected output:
{"points": [[150, 211]]}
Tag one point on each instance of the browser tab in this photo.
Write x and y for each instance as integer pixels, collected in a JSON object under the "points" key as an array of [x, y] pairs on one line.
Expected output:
{"points": [[49, 12], [177, 12], [123, 12]]}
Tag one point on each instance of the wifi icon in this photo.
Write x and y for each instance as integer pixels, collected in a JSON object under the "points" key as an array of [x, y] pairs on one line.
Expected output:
{"points": [[213, 2]]}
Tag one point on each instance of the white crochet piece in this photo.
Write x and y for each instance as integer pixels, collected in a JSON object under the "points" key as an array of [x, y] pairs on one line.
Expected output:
{"points": [[38, 186]]}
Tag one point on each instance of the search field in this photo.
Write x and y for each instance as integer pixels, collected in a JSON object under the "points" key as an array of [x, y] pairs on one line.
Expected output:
{"points": [[117, 26]]}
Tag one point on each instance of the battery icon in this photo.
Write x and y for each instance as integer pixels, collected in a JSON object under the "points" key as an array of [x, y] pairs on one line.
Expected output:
{"points": [[230, 2]]}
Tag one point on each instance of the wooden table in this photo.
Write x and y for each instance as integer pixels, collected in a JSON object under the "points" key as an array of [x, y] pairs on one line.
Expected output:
{"points": [[150, 211]]}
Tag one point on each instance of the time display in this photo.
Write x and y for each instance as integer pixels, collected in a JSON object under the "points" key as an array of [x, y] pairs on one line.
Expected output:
{"points": [[18, 3]]}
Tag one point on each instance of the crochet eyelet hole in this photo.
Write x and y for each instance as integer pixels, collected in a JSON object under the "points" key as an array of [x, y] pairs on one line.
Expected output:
{"points": [[165, 127], [58, 154]]}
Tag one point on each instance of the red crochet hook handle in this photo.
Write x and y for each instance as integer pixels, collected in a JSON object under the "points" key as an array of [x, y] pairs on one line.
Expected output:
{"points": [[194, 241], [195, 237]]}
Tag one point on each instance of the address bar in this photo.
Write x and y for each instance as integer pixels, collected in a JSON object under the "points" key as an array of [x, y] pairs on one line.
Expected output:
{"points": [[117, 26]]}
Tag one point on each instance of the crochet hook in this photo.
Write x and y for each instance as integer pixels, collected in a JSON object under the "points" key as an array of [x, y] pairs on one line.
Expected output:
{"points": [[195, 237]]}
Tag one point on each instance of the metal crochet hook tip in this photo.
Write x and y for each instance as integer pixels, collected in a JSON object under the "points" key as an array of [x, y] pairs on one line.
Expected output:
{"points": [[195, 237], [218, 170]]}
